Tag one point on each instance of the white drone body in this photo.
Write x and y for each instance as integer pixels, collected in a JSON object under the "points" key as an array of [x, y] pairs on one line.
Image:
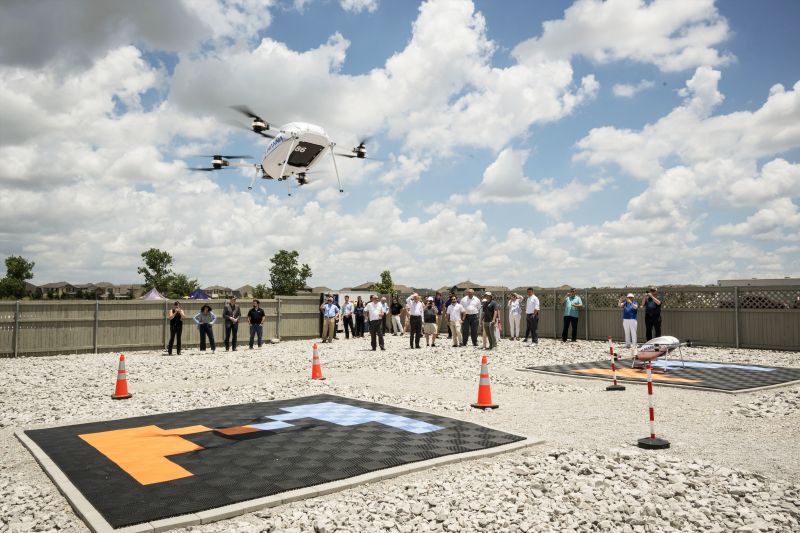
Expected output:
{"points": [[294, 149]]}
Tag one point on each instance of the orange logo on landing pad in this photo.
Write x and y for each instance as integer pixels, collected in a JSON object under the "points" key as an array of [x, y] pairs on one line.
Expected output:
{"points": [[633, 373], [142, 452]]}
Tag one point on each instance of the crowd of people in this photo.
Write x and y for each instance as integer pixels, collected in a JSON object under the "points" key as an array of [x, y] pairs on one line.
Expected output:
{"points": [[205, 320], [464, 319]]}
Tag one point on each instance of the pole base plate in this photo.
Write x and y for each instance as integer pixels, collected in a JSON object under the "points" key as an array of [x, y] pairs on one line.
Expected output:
{"points": [[122, 397], [615, 387], [648, 443]]}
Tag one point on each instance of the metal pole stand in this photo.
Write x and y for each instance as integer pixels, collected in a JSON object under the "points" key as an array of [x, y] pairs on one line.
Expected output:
{"points": [[652, 442]]}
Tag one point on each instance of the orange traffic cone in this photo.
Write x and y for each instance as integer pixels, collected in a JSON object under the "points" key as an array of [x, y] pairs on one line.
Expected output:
{"points": [[484, 388], [316, 368], [121, 392]]}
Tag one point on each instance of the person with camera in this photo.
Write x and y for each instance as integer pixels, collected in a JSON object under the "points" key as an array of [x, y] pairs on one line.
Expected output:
{"points": [[572, 305], [205, 321], [176, 316], [429, 316], [629, 309], [652, 313], [256, 317], [231, 314]]}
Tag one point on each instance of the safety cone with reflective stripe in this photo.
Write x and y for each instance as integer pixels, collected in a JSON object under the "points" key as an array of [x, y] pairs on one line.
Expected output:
{"points": [[484, 388], [121, 392], [316, 367]]}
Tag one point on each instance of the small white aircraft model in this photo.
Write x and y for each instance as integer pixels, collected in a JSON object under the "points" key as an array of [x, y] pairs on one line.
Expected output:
{"points": [[659, 347], [294, 149]]}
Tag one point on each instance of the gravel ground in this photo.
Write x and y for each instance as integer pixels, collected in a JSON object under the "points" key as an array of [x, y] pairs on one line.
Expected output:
{"points": [[733, 465]]}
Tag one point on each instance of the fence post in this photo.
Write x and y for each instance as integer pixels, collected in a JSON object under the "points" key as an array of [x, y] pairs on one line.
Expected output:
{"points": [[586, 306], [555, 315], [96, 320], [278, 319], [736, 314], [502, 317], [15, 338]]}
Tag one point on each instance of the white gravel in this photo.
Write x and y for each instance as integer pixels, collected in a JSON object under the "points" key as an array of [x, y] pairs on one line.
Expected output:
{"points": [[733, 465]]}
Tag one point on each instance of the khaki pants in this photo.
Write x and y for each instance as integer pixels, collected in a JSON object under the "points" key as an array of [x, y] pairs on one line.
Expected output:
{"points": [[328, 328], [455, 327]]}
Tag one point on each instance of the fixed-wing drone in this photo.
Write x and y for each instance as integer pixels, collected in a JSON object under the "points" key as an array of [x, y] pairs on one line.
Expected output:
{"points": [[293, 150]]}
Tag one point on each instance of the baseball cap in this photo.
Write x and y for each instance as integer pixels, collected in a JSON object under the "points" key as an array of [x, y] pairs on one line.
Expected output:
{"points": [[430, 298], [630, 295], [487, 293]]}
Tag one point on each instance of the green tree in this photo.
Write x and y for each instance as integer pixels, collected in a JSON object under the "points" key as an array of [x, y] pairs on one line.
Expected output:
{"points": [[180, 286], [385, 285], [262, 291], [18, 270], [156, 269], [17, 267], [285, 275]]}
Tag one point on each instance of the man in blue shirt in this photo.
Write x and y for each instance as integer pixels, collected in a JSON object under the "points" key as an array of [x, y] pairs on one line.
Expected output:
{"points": [[330, 314], [572, 304]]}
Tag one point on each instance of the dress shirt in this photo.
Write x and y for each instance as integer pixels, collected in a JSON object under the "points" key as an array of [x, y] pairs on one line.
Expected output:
{"points": [[330, 310], [531, 305], [454, 311], [374, 310], [348, 309], [415, 308], [472, 306]]}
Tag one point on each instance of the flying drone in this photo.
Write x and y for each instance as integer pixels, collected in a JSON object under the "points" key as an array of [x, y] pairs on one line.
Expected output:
{"points": [[294, 149]]}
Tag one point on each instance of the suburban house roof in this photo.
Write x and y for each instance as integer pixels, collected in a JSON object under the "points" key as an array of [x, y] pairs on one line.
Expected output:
{"points": [[57, 285]]}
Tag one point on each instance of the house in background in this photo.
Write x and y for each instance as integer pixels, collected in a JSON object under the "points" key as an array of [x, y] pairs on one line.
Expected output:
{"points": [[245, 291], [34, 291], [58, 289], [218, 291]]}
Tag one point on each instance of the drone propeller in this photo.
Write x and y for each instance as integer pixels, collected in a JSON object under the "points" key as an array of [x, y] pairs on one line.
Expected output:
{"points": [[259, 125], [209, 169], [244, 110], [239, 125]]}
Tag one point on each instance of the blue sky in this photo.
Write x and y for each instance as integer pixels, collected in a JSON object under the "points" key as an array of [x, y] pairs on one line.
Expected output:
{"points": [[551, 142]]}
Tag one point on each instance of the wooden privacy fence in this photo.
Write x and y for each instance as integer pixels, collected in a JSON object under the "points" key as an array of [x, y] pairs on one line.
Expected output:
{"points": [[47, 327], [740, 317]]}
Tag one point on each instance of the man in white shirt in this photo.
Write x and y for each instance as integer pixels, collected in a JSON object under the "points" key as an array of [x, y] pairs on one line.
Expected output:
{"points": [[415, 309], [375, 312], [347, 317], [472, 307], [531, 317], [455, 312]]}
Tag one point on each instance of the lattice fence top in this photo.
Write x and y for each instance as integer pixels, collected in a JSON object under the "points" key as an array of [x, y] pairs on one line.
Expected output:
{"points": [[763, 298]]}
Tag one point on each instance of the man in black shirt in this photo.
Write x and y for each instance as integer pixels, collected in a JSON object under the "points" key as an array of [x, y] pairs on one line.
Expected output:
{"points": [[490, 315], [652, 313], [176, 316], [255, 317], [231, 314]]}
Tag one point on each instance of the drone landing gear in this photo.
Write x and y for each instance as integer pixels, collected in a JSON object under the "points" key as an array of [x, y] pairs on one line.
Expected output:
{"points": [[339, 181]]}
